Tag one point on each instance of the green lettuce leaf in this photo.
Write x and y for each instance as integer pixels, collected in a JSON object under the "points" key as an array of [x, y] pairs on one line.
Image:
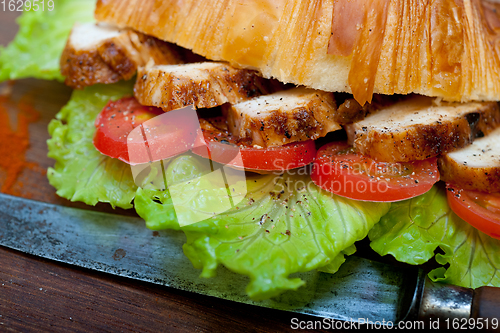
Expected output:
{"points": [[284, 225], [37, 47], [156, 206], [81, 173], [414, 229]]}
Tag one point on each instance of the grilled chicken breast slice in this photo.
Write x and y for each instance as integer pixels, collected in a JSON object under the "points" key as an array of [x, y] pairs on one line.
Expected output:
{"points": [[420, 127], [104, 54], [297, 114], [204, 84], [475, 167]]}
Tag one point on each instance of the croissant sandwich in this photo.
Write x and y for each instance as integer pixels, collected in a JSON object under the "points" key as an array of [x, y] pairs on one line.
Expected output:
{"points": [[351, 121]]}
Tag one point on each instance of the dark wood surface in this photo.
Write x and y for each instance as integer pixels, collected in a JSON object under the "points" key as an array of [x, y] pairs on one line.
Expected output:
{"points": [[40, 295]]}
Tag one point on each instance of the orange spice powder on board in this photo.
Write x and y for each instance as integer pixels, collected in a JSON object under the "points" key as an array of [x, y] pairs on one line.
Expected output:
{"points": [[14, 142]]}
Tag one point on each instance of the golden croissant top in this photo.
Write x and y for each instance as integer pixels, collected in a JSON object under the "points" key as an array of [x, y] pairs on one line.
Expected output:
{"points": [[444, 48]]}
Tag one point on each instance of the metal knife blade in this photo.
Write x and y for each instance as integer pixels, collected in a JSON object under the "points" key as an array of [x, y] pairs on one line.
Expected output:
{"points": [[121, 245]]}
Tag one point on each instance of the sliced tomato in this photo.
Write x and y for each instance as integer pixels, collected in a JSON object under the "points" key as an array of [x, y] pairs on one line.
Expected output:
{"points": [[338, 168], [221, 147], [136, 134], [479, 209], [116, 121]]}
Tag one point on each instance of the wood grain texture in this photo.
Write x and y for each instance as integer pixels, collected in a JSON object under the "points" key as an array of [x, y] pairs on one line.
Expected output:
{"points": [[39, 295]]}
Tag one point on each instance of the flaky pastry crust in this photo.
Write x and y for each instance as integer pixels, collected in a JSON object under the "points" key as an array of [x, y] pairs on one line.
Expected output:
{"points": [[444, 48]]}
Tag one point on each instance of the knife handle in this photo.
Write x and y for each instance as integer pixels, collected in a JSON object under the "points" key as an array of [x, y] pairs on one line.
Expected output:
{"points": [[453, 307], [486, 304]]}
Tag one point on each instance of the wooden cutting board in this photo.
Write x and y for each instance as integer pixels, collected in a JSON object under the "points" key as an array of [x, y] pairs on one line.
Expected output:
{"points": [[40, 295]]}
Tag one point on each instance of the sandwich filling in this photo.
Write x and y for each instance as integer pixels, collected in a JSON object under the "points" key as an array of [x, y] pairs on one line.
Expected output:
{"points": [[347, 169]]}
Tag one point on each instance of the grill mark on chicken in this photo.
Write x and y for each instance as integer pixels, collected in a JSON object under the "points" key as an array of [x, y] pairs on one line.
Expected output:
{"points": [[349, 110], [217, 127], [418, 128], [205, 84], [293, 115], [475, 167], [104, 54]]}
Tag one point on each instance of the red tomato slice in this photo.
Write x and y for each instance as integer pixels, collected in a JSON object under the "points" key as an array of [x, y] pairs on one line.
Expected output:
{"points": [[479, 209], [161, 135], [338, 168], [221, 147]]}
